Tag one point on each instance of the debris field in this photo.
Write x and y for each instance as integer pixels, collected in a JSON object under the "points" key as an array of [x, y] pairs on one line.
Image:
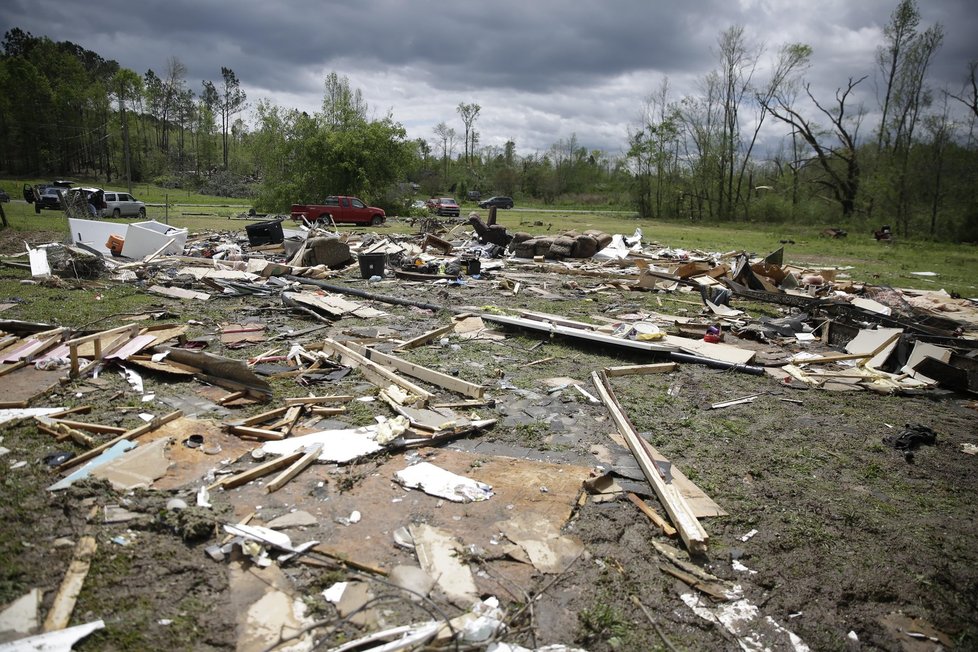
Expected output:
{"points": [[466, 438]]}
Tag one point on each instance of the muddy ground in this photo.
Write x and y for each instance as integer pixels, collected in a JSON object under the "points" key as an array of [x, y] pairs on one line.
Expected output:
{"points": [[854, 545]]}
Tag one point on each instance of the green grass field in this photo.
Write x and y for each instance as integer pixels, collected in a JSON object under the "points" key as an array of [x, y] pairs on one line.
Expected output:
{"points": [[956, 265]]}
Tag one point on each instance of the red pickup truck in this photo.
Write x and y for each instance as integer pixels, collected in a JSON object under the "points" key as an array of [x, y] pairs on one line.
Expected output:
{"points": [[343, 210]]}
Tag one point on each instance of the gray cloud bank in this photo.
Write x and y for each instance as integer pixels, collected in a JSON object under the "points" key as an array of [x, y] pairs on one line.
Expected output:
{"points": [[542, 70]]}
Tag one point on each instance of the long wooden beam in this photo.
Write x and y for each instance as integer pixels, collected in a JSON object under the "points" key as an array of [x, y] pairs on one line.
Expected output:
{"points": [[422, 373], [265, 468], [641, 369], [64, 602], [285, 476], [375, 373], [424, 338], [690, 530], [129, 434]]}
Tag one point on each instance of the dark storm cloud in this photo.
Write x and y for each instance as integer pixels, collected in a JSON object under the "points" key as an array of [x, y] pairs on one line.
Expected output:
{"points": [[532, 46], [541, 69]]}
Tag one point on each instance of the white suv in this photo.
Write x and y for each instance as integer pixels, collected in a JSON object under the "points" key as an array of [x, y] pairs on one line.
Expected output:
{"points": [[122, 204]]}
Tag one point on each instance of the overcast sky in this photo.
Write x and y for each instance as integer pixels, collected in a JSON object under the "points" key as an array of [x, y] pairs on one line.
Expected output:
{"points": [[542, 70]]}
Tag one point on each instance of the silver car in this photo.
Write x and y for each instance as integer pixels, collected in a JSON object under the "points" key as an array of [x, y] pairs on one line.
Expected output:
{"points": [[122, 204]]}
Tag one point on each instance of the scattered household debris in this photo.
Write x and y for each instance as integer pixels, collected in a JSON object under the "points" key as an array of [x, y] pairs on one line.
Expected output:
{"points": [[439, 482], [503, 514]]}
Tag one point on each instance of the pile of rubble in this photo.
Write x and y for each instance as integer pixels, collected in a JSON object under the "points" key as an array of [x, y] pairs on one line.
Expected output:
{"points": [[834, 334]]}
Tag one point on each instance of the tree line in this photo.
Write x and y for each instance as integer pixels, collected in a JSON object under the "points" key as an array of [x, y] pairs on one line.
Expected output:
{"points": [[67, 111], [697, 156], [756, 142]]}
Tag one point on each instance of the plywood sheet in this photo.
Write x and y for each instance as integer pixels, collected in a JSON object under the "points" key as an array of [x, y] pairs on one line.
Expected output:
{"points": [[27, 383], [542, 491], [867, 341], [188, 466], [723, 352]]}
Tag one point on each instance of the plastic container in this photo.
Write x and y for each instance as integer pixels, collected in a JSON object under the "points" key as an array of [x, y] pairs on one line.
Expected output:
{"points": [[472, 266], [372, 264], [263, 233], [114, 244]]}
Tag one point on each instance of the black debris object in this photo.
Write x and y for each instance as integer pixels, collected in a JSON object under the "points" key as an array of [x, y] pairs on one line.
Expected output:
{"points": [[908, 441], [57, 458]]}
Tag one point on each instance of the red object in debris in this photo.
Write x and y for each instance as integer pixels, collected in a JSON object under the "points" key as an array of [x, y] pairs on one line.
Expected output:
{"points": [[713, 335]]}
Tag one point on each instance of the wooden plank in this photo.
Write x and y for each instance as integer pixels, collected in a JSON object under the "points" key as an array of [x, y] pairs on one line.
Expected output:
{"points": [[463, 404], [79, 409], [652, 515], [233, 396], [71, 586], [285, 476], [63, 431], [254, 392], [422, 373], [129, 434], [835, 357], [258, 433], [734, 401], [328, 411], [700, 504], [262, 417], [864, 358], [716, 592], [29, 349], [90, 427], [244, 477], [641, 369], [690, 530], [124, 333], [885, 345], [376, 374], [722, 352], [424, 338], [317, 400], [179, 293], [13, 367], [289, 421], [95, 337], [343, 559], [159, 251]]}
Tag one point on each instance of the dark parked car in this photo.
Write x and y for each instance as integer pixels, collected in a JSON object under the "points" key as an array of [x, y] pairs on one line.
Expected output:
{"points": [[47, 195], [4, 197], [50, 198], [498, 202]]}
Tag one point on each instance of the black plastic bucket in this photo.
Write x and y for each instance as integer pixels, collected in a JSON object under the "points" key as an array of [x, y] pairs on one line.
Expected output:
{"points": [[472, 266], [372, 264]]}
